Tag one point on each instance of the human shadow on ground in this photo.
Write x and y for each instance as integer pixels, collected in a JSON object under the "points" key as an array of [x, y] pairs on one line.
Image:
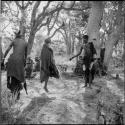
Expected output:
{"points": [[30, 112], [71, 76]]}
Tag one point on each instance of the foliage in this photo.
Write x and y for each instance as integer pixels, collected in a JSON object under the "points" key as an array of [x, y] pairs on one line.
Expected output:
{"points": [[58, 18]]}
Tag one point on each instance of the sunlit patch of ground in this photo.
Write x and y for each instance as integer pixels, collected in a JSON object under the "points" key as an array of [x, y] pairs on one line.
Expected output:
{"points": [[67, 102]]}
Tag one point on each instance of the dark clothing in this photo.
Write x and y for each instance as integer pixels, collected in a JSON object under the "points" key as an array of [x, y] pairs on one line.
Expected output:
{"points": [[15, 86], [47, 63], [89, 52], [16, 61], [88, 58], [102, 54], [53, 71], [37, 66], [29, 68]]}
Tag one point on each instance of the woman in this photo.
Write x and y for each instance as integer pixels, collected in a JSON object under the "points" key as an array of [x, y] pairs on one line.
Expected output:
{"points": [[47, 64], [16, 63]]}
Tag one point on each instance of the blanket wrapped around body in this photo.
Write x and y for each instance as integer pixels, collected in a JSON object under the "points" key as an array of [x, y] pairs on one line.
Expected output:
{"points": [[47, 64], [16, 61]]}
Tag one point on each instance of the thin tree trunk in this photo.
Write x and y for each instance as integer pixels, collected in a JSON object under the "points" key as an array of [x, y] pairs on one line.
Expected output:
{"points": [[68, 45], [73, 43], [30, 42], [0, 73], [23, 22], [94, 23], [110, 43]]}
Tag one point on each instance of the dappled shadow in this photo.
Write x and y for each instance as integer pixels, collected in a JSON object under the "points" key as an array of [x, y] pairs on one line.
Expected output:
{"points": [[70, 75], [99, 91], [90, 99], [38, 102], [67, 102], [120, 83], [30, 112]]}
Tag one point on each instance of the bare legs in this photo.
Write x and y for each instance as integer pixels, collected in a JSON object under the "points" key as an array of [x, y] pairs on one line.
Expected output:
{"points": [[45, 85], [14, 85]]}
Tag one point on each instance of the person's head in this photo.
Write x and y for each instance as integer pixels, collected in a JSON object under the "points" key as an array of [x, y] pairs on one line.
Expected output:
{"points": [[28, 58], [94, 40], [36, 58], [48, 41], [85, 38], [18, 34]]}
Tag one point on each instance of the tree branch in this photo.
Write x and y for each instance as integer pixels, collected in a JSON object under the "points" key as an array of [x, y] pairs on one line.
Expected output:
{"points": [[22, 4], [46, 13], [43, 24], [56, 31], [62, 34], [17, 3], [44, 9], [28, 3], [119, 12], [64, 8], [6, 26], [8, 38], [50, 28], [49, 20], [10, 9], [34, 13]]}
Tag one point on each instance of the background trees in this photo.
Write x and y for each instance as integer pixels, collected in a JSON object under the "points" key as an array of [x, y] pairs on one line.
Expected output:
{"points": [[66, 21]]}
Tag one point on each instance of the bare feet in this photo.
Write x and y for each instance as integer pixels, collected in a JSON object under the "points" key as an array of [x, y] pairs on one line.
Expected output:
{"points": [[85, 85], [90, 87], [45, 88]]}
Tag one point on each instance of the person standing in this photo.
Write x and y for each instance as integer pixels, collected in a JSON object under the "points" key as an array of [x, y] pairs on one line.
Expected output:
{"points": [[47, 64], [88, 52], [29, 67], [16, 64], [37, 65]]}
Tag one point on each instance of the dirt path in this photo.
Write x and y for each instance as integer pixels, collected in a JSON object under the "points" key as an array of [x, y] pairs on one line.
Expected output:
{"points": [[67, 101]]}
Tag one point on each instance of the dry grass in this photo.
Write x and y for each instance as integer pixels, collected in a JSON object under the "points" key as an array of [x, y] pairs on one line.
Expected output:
{"points": [[9, 113]]}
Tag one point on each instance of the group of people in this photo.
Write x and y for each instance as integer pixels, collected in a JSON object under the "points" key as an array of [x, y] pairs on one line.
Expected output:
{"points": [[17, 63]]}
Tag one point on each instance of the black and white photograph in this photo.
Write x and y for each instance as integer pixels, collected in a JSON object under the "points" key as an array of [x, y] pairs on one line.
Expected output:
{"points": [[62, 62]]}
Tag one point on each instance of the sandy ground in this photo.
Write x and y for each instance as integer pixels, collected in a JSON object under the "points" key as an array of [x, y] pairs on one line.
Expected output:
{"points": [[67, 101]]}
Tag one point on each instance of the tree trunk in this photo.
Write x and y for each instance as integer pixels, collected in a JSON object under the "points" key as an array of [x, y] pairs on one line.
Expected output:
{"points": [[0, 73], [94, 23], [73, 43], [23, 22], [30, 42], [110, 43], [68, 41], [78, 68], [69, 47]]}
